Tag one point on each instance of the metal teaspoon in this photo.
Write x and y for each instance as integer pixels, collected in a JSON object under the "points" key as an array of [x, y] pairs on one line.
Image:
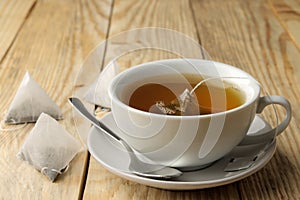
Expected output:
{"points": [[136, 166]]}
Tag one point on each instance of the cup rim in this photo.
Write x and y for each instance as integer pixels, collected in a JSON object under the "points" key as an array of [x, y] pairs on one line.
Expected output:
{"points": [[116, 100]]}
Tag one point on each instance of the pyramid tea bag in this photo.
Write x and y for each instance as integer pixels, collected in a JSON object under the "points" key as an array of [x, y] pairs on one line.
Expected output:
{"points": [[185, 104], [211, 95], [49, 148], [29, 102], [207, 96], [98, 91]]}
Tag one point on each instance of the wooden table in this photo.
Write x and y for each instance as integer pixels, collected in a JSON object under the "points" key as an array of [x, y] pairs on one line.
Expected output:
{"points": [[51, 39]]}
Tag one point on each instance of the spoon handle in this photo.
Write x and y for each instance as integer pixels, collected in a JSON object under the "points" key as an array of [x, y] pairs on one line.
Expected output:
{"points": [[78, 105]]}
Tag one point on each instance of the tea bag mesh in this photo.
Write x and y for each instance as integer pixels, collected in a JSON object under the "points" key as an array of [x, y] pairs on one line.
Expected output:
{"points": [[185, 104], [188, 103], [49, 148], [29, 102], [98, 91]]}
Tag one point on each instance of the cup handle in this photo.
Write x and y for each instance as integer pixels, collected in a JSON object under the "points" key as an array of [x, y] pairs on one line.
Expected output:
{"points": [[268, 135]]}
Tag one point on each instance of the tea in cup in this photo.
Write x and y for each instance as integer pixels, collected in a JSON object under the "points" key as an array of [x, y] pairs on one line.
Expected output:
{"points": [[152, 116]]}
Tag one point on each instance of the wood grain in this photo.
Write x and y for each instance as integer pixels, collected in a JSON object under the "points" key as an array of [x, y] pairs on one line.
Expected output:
{"points": [[12, 16], [127, 15], [248, 35], [50, 39], [51, 45], [288, 13], [104, 185], [151, 44]]}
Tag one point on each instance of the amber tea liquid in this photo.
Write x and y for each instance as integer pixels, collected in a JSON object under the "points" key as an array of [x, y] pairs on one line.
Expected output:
{"points": [[211, 98]]}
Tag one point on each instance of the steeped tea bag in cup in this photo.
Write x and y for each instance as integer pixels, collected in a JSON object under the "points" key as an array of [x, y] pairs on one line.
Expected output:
{"points": [[185, 104], [217, 94], [197, 98], [49, 148], [98, 92], [210, 95], [212, 134], [29, 102]]}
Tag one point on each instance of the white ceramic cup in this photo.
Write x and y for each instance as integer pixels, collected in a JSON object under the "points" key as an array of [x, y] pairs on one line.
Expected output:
{"points": [[189, 142]]}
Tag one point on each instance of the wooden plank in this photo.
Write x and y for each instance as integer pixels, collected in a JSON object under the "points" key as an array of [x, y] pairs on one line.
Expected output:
{"points": [[104, 185], [248, 35], [12, 16], [128, 15], [51, 45], [288, 13], [176, 38]]}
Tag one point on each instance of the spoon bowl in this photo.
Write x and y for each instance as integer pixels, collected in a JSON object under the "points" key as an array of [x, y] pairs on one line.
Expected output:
{"points": [[136, 166]]}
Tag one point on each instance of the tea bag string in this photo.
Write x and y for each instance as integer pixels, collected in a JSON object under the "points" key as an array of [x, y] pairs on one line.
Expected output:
{"points": [[55, 170], [2, 126], [187, 96], [229, 77], [212, 78]]}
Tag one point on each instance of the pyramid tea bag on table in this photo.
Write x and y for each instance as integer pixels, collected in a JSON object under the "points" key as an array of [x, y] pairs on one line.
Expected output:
{"points": [[29, 102], [49, 148], [98, 92]]}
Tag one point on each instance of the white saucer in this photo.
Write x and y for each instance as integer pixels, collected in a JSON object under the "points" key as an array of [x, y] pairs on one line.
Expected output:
{"points": [[114, 158]]}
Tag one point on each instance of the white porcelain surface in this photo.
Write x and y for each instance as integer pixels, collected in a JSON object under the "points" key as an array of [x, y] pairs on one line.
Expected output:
{"points": [[114, 158], [163, 137]]}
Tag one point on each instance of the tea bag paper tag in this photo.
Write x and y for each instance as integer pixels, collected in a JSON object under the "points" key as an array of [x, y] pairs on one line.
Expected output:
{"points": [[29, 102], [185, 98], [98, 92], [49, 148]]}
